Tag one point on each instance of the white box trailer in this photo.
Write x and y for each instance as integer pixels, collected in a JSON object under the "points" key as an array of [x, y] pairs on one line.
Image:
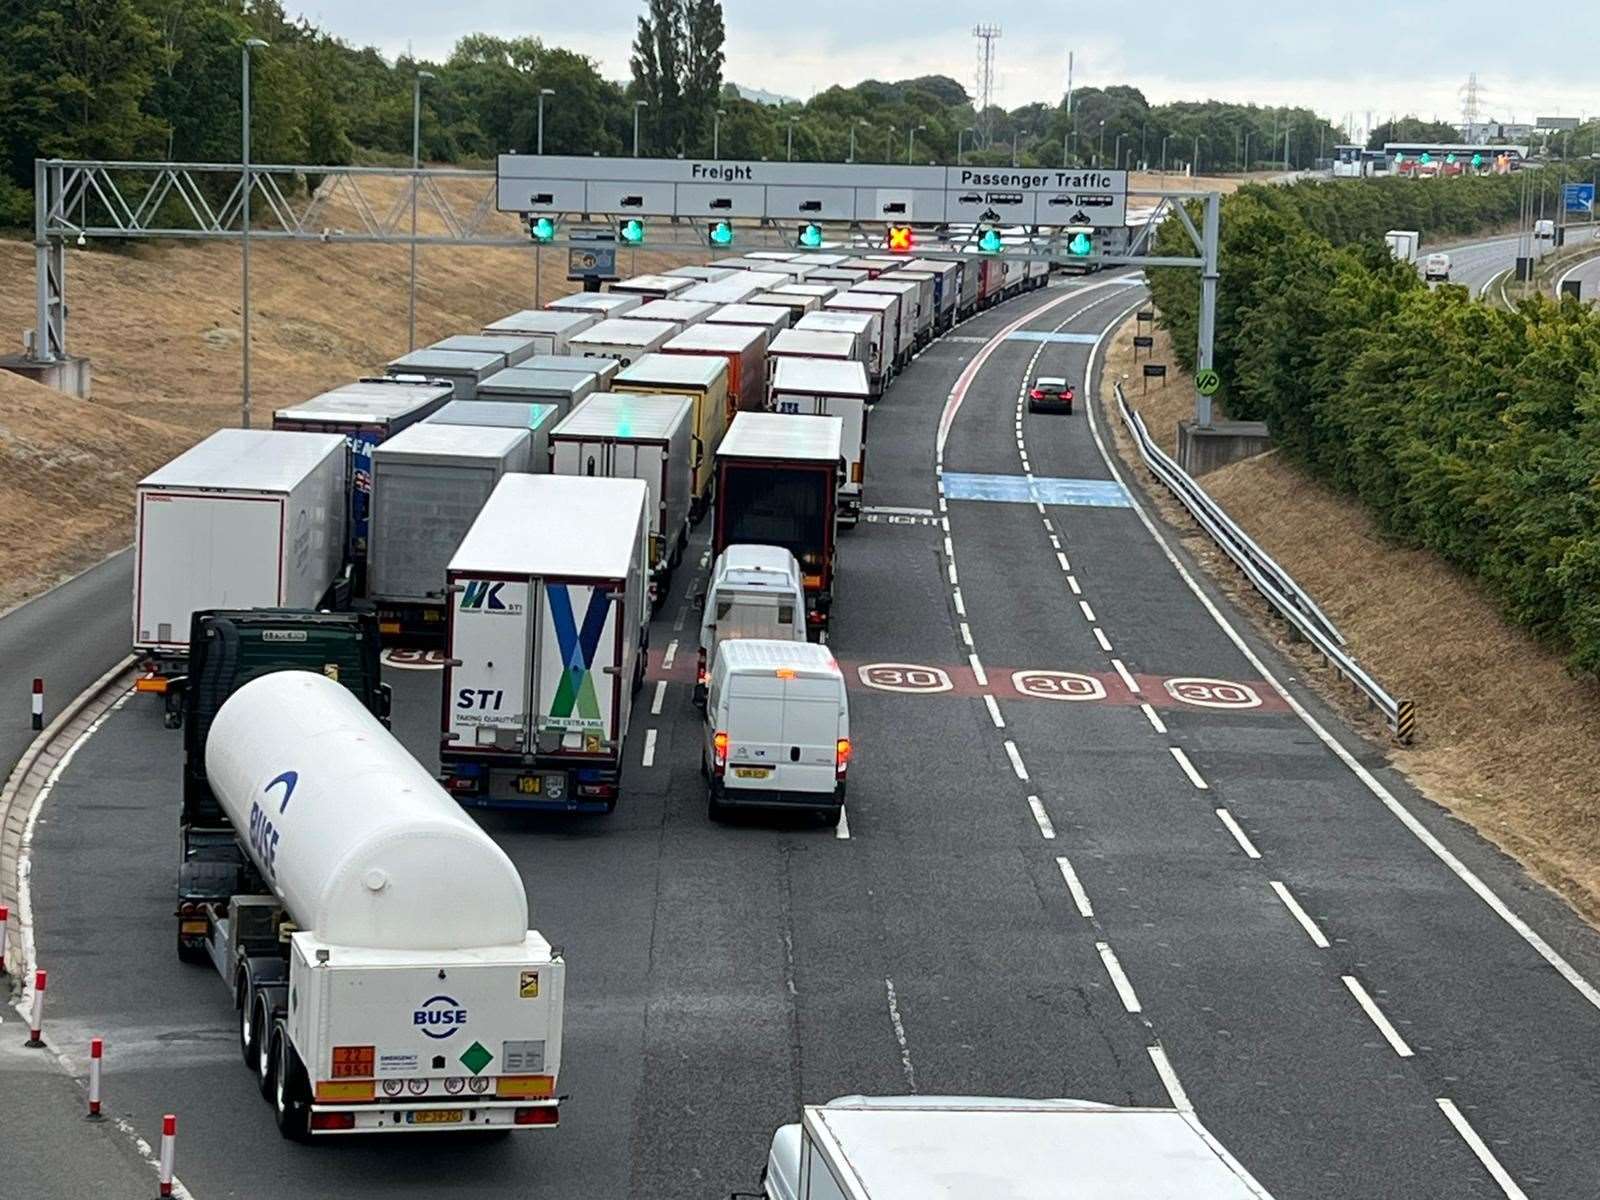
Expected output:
{"points": [[843, 344], [868, 326], [844, 276], [604, 369], [824, 261], [815, 387], [623, 435], [927, 283], [513, 347], [428, 485], [772, 318], [410, 996], [701, 274], [624, 339], [733, 290], [797, 306], [536, 385], [946, 288], [650, 287], [682, 313], [896, 338], [745, 349], [822, 291], [537, 419], [764, 280], [550, 331], [965, 1147], [546, 643], [601, 304], [465, 369], [249, 518], [916, 324]]}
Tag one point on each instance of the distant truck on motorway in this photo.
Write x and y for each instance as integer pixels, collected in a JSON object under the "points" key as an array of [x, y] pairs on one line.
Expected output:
{"points": [[705, 380], [972, 1148], [868, 325], [1404, 244], [821, 387], [546, 643], [778, 485], [380, 957], [247, 518]]}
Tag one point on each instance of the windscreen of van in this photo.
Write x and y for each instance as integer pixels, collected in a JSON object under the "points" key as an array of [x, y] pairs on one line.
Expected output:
{"points": [[752, 616], [785, 507]]}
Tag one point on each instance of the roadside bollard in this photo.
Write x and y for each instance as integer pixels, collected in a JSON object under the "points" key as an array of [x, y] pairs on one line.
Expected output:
{"points": [[169, 1148], [38, 704], [96, 1049], [36, 1025], [5, 915]]}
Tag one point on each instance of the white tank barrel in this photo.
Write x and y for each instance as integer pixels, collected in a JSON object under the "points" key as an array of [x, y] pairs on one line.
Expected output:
{"points": [[360, 843]]}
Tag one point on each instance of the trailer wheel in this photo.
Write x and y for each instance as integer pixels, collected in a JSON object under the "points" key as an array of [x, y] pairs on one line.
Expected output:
{"points": [[291, 1096], [249, 1030], [264, 1065]]}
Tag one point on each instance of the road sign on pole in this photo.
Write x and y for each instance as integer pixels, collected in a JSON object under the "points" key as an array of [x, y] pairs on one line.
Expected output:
{"points": [[1580, 197]]}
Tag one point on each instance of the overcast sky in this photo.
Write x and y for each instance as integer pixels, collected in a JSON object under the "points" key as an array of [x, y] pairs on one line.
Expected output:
{"points": [[1351, 56]]}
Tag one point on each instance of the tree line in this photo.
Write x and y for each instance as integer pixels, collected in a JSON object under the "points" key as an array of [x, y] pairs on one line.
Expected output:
{"points": [[160, 79], [1465, 429]]}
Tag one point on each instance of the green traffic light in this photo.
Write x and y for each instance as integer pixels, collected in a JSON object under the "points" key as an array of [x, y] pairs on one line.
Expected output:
{"points": [[811, 236], [990, 242], [542, 229], [631, 232], [1426, 158], [1080, 244], [1477, 160], [1450, 158], [721, 233]]}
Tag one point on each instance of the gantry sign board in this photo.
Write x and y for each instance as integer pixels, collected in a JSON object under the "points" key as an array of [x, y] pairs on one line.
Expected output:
{"points": [[788, 192]]}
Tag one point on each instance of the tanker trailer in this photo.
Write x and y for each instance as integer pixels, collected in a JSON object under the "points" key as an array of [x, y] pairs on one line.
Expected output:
{"points": [[384, 972]]}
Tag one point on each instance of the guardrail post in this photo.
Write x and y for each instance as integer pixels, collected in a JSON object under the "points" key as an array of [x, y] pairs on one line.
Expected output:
{"points": [[1405, 724]]}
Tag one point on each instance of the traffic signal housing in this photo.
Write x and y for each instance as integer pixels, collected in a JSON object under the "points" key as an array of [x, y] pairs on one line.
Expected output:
{"points": [[990, 241], [811, 236], [720, 233], [1080, 244], [901, 239], [541, 229], [630, 231]]}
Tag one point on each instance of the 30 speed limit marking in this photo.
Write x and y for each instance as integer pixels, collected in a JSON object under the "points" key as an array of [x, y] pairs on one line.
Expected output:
{"points": [[903, 677], [406, 659], [1058, 685], [1213, 693]]}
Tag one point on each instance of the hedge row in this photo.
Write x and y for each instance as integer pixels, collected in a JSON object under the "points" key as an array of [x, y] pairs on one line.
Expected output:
{"points": [[1464, 429]]}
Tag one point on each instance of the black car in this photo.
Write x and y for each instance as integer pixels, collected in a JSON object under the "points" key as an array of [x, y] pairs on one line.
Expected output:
{"points": [[1050, 393]]}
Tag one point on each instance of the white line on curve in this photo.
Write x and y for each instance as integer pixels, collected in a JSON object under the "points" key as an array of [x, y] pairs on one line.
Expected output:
{"points": [[1318, 938], [1041, 818], [978, 672], [993, 706], [1156, 722], [1477, 1145], [1016, 760], [1062, 559], [966, 634], [961, 607], [1370, 1007], [1099, 636], [1088, 613], [900, 1036], [1182, 760], [1075, 886], [1119, 979], [1169, 1080], [1238, 832], [1072, 582]]}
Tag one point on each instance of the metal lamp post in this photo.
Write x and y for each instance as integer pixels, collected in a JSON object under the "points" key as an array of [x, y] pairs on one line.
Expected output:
{"points": [[888, 144], [1116, 153], [416, 164], [244, 227], [859, 122], [543, 92], [1100, 154], [637, 105], [972, 129], [1015, 134], [788, 154], [911, 141], [1165, 138], [716, 132], [1245, 166]]}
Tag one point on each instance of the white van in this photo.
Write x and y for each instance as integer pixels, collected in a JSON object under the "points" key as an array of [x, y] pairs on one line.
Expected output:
{"points": [[1436, 268], [777, 730], [755, 592]]}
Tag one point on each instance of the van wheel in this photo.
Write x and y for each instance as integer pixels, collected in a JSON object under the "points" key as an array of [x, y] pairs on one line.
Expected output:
{"points": [[715, 808], [828, 818], [291, 1095]]}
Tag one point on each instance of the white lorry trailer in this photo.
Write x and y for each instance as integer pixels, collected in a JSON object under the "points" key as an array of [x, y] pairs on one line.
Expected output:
{"points": [[249, 518], [537, 419], [603, 304], [868, 326], [967, 1148], [546, 644], [515, 347], [622, 435], [384, 972], [464, 369], [916, 318], [428, 484], [893, 350], [624, 338], [817, 387], [549, 330]]}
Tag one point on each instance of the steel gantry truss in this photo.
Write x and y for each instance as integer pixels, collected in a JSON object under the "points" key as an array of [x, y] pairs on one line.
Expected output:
{"points": [[76, 200]]}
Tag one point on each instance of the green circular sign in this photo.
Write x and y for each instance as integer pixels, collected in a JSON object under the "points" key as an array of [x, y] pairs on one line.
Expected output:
{"points": [[1207, 382]]}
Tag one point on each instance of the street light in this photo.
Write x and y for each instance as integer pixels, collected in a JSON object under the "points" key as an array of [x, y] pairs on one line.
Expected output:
{"points": [[416, 163], [1116, 154], [637, 105], [859, 122], [911, 141], [888, 145], [789, 152], [1100, 154], [244, 229], [1245, 166], [716, 132], [1198, 138], [1164, 140], [973, 130], [543, 92], [1015, 134]]}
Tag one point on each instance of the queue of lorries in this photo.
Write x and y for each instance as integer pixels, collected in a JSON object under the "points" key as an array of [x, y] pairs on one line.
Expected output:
{"points": [[519, 498]]}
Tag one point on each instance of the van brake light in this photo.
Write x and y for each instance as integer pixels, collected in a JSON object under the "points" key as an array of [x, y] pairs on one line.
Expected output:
{"points": [[841, 757], [719, 751]]}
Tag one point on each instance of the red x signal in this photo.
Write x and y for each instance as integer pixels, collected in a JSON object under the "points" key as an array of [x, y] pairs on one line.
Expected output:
{"points": [[900, 239]]}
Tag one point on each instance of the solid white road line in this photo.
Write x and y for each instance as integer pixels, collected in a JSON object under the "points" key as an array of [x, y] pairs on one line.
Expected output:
{"points": [[670, 656], [1155, 721], [966, 634], [951, 574], [1238, 832], [1169, 1080], [949, 550], [1100, 637], [1062, 559], [1016, 760], [1131, 683], [994, 711], [649, 749], [1072, 582], [1368, 780], [1041, 818], [842, 830], [1049, 528], [1370, 1007], [1079, 896], [1182, 760], [1119, 980], [1318, 938], [1476, 1144], [978, 672], [661, 694], [961, 607], [900, 1036]]}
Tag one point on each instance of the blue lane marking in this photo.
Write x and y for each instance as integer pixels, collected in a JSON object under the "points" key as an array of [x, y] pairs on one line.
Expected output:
{"points": [[1071, 339], [1021, 489]]}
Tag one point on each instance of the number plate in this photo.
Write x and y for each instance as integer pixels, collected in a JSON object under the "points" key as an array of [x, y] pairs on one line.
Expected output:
{"points": [[436, 1116], [752, 772], [529, 785]]}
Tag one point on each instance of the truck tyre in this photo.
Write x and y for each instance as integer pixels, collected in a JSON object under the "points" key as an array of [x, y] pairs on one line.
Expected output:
{"points": [[263, 1064], [715, 808], [291, 1096], [249, 1030]]}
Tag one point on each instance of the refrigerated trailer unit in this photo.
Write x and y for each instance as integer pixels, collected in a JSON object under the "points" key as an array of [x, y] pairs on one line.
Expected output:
{"points": [[548, 330], [916, 323], [428, 485], [249, 518], [537, 419], [546, 643], [778, 485], [601, 304], [622, 435], [772, 318], [536, 385], [623, 338], [735, 289], [896, 343], [512, 347], [822, 291], [743, 347], [868, 326], [838, 388], [682, 313], [650, 287], [379, 952], [797, 306], [701, 274], [947, 286], [704, 379], [465, 369]]}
